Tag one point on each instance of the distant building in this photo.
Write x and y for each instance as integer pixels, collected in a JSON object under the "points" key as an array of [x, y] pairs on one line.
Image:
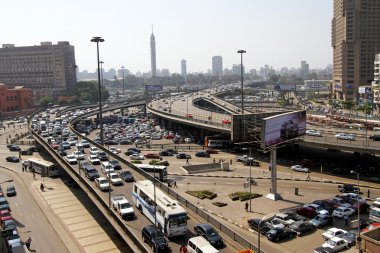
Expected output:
{"points": [[15, 101], [355, 39], [304, 71], [376, 82], [217, 66], [153, 55], [236, 69], [317, 85], [183, 67], [47, 66]]}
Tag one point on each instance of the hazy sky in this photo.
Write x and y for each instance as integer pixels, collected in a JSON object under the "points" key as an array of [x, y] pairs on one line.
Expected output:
{"points": [[274, 32]]}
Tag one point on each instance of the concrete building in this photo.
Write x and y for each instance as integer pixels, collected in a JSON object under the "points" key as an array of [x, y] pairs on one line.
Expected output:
{"points": [[15, 101], [355, 39], [217, 66], [376, 83], [153, 55], [316, 85], [44, 67], [304, 71], [183, 67]]}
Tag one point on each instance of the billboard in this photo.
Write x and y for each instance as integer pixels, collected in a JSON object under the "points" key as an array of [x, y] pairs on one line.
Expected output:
{"points": [[153, 87], [365, 90], [283, 127], [284, 87]]}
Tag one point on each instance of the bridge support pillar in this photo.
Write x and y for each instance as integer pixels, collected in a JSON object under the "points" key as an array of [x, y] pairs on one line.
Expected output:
{"points": [[273, 195]]}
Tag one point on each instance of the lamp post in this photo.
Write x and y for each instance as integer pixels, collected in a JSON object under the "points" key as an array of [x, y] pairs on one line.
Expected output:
{"points": [[241, 52], [122, 69], [101, 75], [250, 178], [358, 237], [266, 217], [97, 40]]}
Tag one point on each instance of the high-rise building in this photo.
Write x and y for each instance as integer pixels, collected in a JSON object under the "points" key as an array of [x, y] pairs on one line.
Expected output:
{"points": [[304, 73], [376, 82], [153, 55], [217, 66], [183, 67], [47, 66], [355, 39]]}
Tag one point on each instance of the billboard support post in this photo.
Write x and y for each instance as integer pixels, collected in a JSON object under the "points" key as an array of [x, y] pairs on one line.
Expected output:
{"points": [[273, 195]]}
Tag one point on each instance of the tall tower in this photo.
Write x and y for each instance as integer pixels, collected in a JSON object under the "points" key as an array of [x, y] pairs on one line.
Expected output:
{"points": [[183, 67], [355, 38], [153, 54], [217, 66]]}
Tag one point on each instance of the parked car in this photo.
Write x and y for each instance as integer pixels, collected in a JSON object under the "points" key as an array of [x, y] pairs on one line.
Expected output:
{"points": [[346, 188], [71, 159], [254, 224], [14, 148], [136, 157], [277, 234], [165, 153], [340, 212], [317, 208], [93, 159], [5, 215], [332, 232], [183, 156], [12, 159], [102, 156], [114, 178], [209, 233], [321, 220], [154, 238], [302, 227], [349, 237], [307, 212], [152, 156], [336, 243], [11, 190]]}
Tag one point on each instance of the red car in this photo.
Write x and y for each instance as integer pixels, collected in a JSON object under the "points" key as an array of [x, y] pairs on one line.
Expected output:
{"points": [[55, 145], [189, 115], [5, 215], [152, 156], [308, 212], [169, 136], [226, 121]]}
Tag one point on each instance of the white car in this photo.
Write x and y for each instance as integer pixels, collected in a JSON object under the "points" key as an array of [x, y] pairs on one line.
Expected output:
{"points": [[276, 223], [85, 143], [136, 157], [71, 141], [78, 154], [332, 232], [102, 183], [341, 211], [94, 150], [344, 136], [93, 159], [107, 169], [114, 178], [71, 159], [336, 244], [300, 168], [318, 209], [355, 197], [313, 133], [115, 150]]}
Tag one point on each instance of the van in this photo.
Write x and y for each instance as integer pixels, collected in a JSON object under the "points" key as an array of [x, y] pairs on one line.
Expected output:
{"points": [[199, 244]]}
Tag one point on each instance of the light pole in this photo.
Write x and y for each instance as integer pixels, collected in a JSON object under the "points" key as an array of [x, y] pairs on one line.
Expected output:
{"points": [[101, 75], [97, 40], [358, 237], [250, 178], [266, 217], [122, 69], [241, 52]]}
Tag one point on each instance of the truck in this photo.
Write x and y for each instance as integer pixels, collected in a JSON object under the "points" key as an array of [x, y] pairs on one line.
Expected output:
{"points": [[247, 160], [121, 205]]}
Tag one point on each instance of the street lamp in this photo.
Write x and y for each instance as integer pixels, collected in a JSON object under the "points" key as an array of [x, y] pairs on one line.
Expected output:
{"points": [[122, 69], [250, 179], [241, 52], [358, 237], [266, 217], [97, 40], [101, 75]]}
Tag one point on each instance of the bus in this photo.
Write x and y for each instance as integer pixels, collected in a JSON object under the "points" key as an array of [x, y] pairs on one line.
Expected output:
{"points": [[43, 167], [374, 214], [218, 141], [170, 217], [158, 171]]}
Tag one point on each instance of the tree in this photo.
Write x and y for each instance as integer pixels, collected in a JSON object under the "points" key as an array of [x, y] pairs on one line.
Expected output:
{"points": [[44, 101]]}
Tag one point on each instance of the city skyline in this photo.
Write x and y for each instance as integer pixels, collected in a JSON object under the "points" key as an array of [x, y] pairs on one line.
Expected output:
{"points": [[275, 33]]}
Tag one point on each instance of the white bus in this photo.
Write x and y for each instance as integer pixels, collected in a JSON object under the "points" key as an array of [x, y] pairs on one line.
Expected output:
{"points": [[374, 214], [158, 171], [43, 167], [170, 216]]}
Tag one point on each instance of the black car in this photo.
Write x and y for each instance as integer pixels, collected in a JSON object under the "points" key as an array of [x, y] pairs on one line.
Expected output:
{"points": [[277, 234], [11, 190], [324, 205], [154, 238], [14, 148], [102, 156], [251, 162], [289, 129], [34, 149], [26, 152], [183, 156], [91, 173], [347, 188], [136, 150], [130, 152], [202, 154], [254, 224], [375, 137], [12, 159], [126, 175], [115, 164], [110, 142], [209, 233], [302, 227], [165, 153], [85, 165], [125, 142]]}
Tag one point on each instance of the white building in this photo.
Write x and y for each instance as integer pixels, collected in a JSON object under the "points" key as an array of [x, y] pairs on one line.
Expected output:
{"points": [[319, 85]]}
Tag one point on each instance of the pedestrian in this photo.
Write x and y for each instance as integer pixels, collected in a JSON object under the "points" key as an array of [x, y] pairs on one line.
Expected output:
{"points": [[246, 206], [308, 177], [42, 187], [23, 168], [187, 161], [345, 218], [19, 155], [28, 242], [34, 174], [175, 184], [183, 249], [214, 160], [368, 193]]}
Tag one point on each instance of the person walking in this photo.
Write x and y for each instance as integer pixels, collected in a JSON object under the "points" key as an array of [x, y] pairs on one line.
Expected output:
{"points": [[246, 206], [308, 177], [187, 161], [345, 218], [175, 184], [28, 242], [42, 187], [368, 193]]}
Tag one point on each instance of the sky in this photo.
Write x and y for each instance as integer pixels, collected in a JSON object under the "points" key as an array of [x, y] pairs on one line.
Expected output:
{"points": [[274, 32]]}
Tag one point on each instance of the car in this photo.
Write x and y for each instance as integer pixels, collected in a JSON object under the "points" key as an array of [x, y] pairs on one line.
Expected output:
{"points": [[285, 219], [136, 157], [11, 190], [25, 152], [313, 133], [346, 188], [85, 143], [332, 232], [71, 159], [78, 154], [13, 241], [202, 154], [125, 142], [126, 175], [340, 212], [276, 223], [14, 148], [102, 183], [254, 224], [65, 145], [323, 250], [340, 202], [317, 208], [165, 153], [307, 212], [344, 136], [336, 243], [288, 130], [325, 205], [226, 121], [302, 227], [115, 164], [93, 159], [115, 150], [135, 150], [354, 197], [299, 168], [12, 159], [106, 168], [55, 145], [62, 152], [154, 238], [94, 150], [102, 156], [189, 115], [375, 137], [277, 234], [209, 233], [188, 140], [114, 178], [91, 173], [9, 225], [152, 156], [349, 237], [34, 149], [183, 156], [321, 220], [5, 215]]}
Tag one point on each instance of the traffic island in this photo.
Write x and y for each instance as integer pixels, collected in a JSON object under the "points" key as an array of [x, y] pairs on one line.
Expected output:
{"points": [[219, 204], [203, 194], [243, 196]]}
